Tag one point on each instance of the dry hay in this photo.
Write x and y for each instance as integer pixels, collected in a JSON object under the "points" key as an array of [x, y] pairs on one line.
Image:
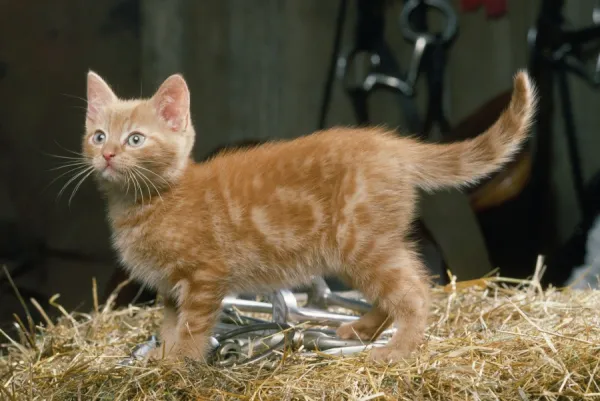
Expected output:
{"points": [[487, 341]]}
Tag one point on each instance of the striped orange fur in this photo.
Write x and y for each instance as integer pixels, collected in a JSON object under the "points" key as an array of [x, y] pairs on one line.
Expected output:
{"points": [[339, 201]]}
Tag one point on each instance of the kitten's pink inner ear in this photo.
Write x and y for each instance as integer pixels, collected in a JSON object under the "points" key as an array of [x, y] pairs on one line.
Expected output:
{"points": [[99, 95], [172, 103]]}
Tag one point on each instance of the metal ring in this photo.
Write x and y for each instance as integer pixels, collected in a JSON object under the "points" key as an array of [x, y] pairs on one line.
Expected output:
{"points": [[141, 350], [387, 81], [226, 339], [346, 62], [266, 353], [228, 354], [252, 328], [446, 9]]}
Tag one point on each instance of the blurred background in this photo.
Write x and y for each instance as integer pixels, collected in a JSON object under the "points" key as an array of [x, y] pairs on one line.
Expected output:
{"points": [[268, 69]]}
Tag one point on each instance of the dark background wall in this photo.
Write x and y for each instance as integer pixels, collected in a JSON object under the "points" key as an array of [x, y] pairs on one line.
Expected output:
{"points": [[45, 50], [256, 69]]}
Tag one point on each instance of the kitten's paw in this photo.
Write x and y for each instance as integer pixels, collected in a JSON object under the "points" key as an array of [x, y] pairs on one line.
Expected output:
{"points": [[387, 354], [355, 330], [161, 354], [155, 354]]}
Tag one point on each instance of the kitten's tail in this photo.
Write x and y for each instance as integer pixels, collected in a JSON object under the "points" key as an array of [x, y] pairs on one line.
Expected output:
{"points": [[465, 162]]}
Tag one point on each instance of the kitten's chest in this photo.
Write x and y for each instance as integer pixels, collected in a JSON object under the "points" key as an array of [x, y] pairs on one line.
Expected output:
{"points": [[142, 255]]}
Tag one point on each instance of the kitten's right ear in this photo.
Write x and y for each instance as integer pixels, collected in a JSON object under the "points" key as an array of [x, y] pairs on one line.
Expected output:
{"points": [[172, 102], [99, 95]]}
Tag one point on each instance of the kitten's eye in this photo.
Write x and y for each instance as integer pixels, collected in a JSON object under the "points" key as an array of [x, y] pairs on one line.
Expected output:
{"points": [[136, 139], [99, 138]]}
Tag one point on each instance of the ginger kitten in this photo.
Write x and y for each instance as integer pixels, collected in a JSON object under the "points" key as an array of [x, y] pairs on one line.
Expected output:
{"points": [[339, 201]]}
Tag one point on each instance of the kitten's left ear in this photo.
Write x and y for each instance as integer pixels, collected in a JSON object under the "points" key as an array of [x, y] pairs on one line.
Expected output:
{"points": [[99, 95], [172, 103]]}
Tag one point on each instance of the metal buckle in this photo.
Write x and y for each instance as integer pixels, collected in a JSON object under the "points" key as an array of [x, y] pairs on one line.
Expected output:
{"points": [[366, 79], [321, 296], [445, 8], [358, 70], [355, 66], [231, 349]]}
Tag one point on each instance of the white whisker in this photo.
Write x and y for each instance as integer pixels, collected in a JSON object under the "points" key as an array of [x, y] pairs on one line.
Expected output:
{"points": [[73, 170], [79, 108], [139, 186], [73, 179], [151, 183], [75, 97], [152, 172], [67, 157], [70, 164], [79, 185], [127, 179], [134, 187], [145, 183], [70, 151], [157, 163]]}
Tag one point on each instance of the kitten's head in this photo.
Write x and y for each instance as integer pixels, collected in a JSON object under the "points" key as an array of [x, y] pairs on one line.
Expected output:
{"points": [[143, 140]]}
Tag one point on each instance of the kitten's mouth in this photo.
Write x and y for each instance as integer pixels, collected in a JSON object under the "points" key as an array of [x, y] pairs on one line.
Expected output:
{"points": [[109, 172]]}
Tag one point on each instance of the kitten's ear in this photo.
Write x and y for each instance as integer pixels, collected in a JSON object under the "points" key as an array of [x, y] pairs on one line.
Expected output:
{"points": [[172, 103], [99, 95]]}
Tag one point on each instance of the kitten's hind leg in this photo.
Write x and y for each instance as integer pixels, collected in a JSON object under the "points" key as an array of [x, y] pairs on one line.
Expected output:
{"points": [[400, 288], [368, 327]]}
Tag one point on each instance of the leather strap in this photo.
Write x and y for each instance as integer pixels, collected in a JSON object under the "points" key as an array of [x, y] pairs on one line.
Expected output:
{"points": [[448, 215]]}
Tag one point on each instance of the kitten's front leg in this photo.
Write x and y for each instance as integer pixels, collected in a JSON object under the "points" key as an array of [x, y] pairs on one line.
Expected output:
{"points": [[199, 308], [168, 327]]}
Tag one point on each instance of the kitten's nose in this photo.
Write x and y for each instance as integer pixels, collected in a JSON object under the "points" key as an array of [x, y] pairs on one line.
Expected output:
{"points": [[107, 156]]}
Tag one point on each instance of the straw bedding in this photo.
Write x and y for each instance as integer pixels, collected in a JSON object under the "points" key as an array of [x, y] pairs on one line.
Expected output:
{"points": [[490, 339]]}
